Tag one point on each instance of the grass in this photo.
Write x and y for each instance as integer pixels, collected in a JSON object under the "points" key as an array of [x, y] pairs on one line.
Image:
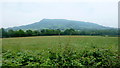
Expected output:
{"points": [[60, 51], [45, 42], [0, 52]]}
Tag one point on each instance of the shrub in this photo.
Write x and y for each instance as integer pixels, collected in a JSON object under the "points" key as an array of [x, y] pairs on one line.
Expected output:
{"points": [[96, 58]]}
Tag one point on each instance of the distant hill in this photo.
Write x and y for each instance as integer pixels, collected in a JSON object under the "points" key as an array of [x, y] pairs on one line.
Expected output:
{"points": [[61, 24]]}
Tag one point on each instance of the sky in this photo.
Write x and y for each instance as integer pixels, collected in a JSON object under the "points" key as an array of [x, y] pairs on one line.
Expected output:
{"points": [[23, 12]]}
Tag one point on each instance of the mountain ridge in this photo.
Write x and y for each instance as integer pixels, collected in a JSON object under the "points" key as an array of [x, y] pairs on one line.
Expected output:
{"points": [[60, 24]]}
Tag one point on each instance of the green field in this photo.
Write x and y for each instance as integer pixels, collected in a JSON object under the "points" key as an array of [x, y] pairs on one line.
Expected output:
{"points": [[56, 44], [44, 42]]}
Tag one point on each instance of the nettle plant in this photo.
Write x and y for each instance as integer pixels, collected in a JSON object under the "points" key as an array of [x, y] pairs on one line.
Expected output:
{"points": [[66, 57]]}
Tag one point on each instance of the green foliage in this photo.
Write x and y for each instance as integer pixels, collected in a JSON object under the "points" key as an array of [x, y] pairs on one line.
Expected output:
{"points": [[3, 33], [69, 31], [50, 32], [11, 33], [61, 24], [36, 33], [96, 58], [81, 51], [47, 32], [29, 32]]}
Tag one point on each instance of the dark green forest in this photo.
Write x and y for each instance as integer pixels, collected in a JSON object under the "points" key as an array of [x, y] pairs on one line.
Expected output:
{"points": [[47, 32]]}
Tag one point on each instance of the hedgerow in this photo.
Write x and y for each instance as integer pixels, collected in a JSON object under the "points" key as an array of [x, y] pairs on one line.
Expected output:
{"points": [[67, 57]]}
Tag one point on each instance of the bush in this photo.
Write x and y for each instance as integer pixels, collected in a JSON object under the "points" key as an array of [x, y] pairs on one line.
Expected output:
{"points": [[96, 58]]}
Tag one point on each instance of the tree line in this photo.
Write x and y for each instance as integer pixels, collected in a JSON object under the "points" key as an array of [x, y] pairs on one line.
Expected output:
{"points": [[46, 32]]}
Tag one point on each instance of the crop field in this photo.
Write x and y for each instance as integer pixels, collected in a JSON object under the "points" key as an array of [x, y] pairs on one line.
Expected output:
{"points": [[60, 51]]}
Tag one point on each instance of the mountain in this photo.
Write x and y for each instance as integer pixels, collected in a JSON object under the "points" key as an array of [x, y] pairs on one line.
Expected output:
{"points": [[60, 24]]}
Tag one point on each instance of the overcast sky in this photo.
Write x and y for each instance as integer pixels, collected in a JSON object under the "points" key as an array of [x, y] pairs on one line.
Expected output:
{"points": [[17, 13]]}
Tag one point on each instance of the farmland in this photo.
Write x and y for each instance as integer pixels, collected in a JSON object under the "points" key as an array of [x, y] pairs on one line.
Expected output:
{"points": [[42, 48]]}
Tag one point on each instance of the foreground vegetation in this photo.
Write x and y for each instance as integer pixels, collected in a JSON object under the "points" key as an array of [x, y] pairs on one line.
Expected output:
{"points": [[97, 51], [96, 58]]}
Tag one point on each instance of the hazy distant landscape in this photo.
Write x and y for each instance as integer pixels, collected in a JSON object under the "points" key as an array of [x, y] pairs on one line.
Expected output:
{"points": [[61, 24], [48, 27], [57, 34]]}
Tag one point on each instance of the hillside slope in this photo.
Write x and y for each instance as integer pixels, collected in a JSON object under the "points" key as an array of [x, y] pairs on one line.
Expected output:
{"points": [[60, 24]]}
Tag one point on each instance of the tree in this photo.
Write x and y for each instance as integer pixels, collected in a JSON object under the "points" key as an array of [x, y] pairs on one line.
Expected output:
{"points": [[82, 33], [11, 33], [4, 33], [58, 32], [20, 33], [69, 31], [36, 33], [29, 32], [0, 33]]}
